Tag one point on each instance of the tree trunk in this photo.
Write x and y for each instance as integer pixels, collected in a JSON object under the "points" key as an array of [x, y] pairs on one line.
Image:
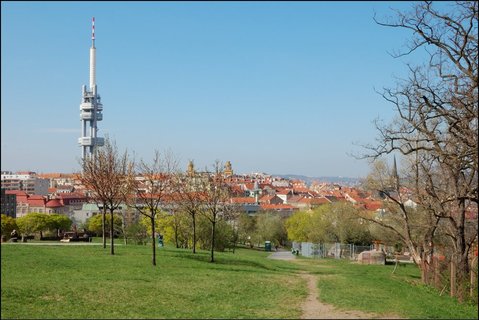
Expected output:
{"points": [[153, 244], [194, 233], [473, 284], [437, 279], [103, 226], [176, 236], [213, 229], [462, 277], [112, 248], [123, 228], [235, 236], [453, 278]]}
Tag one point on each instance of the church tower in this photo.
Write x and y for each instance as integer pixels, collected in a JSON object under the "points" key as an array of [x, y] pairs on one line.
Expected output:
{"points": [[228, 170]]}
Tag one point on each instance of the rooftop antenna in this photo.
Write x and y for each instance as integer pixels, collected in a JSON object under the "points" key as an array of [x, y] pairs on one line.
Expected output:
{"points": [[92, 57], [93, 31]]}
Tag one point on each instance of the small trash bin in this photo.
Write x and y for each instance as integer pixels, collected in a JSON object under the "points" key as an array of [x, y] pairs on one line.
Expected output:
{"points": [[267, 246]]}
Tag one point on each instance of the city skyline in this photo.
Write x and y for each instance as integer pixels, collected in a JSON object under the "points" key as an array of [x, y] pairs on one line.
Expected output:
{"points": [[282, 88]]}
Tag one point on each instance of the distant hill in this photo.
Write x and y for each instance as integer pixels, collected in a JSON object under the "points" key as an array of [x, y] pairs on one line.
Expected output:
{"points": [[345, 181]]}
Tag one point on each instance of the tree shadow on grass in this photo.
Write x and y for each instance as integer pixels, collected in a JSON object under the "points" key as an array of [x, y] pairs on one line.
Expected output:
{"points": [[234, 263]]}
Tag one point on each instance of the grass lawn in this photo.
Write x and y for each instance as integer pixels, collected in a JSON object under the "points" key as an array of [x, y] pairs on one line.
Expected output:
{"points": [[373, 288], [40, 281], [86, 282]]}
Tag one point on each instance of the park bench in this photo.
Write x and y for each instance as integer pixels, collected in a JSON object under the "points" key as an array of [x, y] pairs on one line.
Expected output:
{"points": [[75, 237]]}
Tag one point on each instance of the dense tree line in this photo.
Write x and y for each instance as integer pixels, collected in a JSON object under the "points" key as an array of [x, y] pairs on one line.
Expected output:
{"points": [[36, 223], [330, 223]]}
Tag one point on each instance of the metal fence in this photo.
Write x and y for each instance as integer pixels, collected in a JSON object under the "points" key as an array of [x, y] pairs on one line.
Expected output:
{"points": [[330, 250]]}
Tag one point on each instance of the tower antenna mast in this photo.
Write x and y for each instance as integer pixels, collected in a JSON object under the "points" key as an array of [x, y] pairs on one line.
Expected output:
{"points": [[91, 107]]}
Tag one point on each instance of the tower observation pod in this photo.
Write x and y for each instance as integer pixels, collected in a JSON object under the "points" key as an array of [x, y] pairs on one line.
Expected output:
{"points": [[90, 108]]}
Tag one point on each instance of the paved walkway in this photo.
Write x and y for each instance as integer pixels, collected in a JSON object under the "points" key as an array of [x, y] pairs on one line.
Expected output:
{"points": [[282, 255], [58, 243]]}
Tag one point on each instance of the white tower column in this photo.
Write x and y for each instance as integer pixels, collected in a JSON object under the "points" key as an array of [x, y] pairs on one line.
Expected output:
{"points": [[90, 108]]}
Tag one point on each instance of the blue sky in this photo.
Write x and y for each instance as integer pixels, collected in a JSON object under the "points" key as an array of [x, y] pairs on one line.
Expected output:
{"points": [[276, 87]]}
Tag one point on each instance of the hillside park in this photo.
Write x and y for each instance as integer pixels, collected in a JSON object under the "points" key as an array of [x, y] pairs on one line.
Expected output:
{"points": [[51, 280]]}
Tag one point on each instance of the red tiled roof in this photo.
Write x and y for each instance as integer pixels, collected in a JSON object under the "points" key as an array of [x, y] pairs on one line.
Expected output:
{"points": [[249, 186], [294, 199], [315, 201], [49, 175], [36, 201], [73, 195], [53, 203], [21, 196], [269, 198], [301, 189], [36, 197], [265, 206], [266, 198], [283, 191], [372, 205], [243, 200], [16, 192]]}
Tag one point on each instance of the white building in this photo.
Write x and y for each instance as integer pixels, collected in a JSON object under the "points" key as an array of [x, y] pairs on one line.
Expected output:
{"points": [[25, 181]]}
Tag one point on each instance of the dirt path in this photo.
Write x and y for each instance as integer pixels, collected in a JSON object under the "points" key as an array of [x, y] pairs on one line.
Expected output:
{"points": [[313, 308]]}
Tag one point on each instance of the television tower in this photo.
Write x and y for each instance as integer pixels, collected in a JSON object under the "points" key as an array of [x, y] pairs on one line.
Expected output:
{"points": [[91, 108]]}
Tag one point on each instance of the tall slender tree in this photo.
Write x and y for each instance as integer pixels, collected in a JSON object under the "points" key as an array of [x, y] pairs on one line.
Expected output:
{"points": [[157, 176], [188, 188], [109, 178], [216, 195]]}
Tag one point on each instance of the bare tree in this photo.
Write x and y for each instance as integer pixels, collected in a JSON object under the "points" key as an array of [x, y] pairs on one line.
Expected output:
{"points": [[437, 123], [158, 179], [416, 227], [107, 174], [188, 188], [215, 200], [231, 214]]}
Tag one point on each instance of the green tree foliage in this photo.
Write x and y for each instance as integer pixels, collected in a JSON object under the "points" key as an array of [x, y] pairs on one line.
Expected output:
{"points": [[138, 232], [223, 234], [176, 228], [8, 225], [270, 227], [246, 228], [58, 222], [297, 226], [146, 222], [32, 222], [94, 224], [337, 222]]}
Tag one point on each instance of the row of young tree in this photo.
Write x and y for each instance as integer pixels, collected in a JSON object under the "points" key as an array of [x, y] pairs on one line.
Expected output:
{"points": [[113, 180], [176, 229]]}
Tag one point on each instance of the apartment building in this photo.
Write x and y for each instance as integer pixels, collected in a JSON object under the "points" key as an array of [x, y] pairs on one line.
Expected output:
{"points": [[9, 204], [25, 181]]}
